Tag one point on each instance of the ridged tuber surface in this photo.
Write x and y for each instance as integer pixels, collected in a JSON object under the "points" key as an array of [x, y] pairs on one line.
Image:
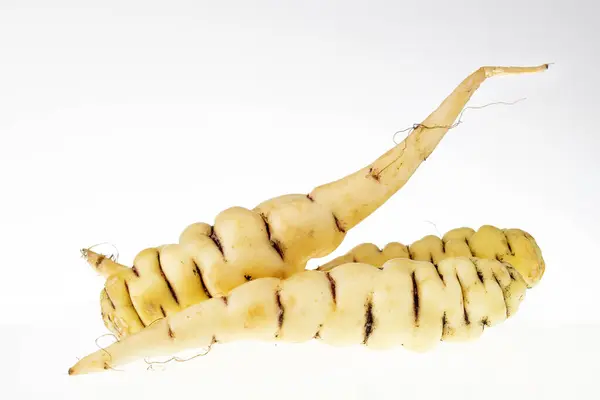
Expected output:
{"points": [[276, 238], [409, 303], [155, 293], [513, 246]]}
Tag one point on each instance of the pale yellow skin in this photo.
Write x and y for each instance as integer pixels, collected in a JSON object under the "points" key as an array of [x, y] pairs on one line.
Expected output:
{"points": [[514, 246], [409, 303], [276, 238]]}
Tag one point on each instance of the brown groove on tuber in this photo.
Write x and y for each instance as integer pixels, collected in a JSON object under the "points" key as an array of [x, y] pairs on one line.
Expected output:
{"points": [[510, 250], [170, 332], [137, 313], [332, 287], [338, 224], [280, 311], [496, 279], [162, 274], [436, 268], [463, 301], [445, 330], [479, 273], [215, 238], [318, 334], [415, 293], [198, 273], [469, 247], [267, 227], [369, 321], [276, 244]]}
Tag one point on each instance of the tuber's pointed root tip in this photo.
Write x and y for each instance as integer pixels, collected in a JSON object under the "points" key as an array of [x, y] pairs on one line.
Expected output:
{"points": [[88, 365], [77, 371], [74, 370], [510, 70], [89, 256]]}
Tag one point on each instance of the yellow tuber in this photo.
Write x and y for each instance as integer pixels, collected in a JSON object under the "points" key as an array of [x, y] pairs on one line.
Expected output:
{"points": [[276, 238], [514, 246], [411, 303], [152, 289]]}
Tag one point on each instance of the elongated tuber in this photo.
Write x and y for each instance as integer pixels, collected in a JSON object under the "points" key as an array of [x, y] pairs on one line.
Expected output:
{"points": [[411, 303], [514, 246], [277, 237], [153, 290]]}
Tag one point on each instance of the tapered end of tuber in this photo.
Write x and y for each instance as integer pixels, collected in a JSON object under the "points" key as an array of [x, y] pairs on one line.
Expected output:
{"points": [[89, 364], [102, 264]]}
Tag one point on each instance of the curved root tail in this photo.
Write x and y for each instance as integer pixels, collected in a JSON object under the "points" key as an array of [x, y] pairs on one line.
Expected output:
{"points": [[358, 195]]}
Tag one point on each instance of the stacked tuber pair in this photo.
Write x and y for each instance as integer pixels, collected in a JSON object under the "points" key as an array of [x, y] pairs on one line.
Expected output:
{"points": [[244, 277]]}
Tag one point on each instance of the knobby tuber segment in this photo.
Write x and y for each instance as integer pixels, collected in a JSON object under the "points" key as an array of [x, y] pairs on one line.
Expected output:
{"points": [[125, 315], [276, 238], [402, 303], [514, 246]]}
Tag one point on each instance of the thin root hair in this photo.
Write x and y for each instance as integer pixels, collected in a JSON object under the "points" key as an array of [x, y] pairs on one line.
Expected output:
{"points": [[114, 257], [435, 227], [106, 351], [153, 364], [375, 174], [459, 121]]}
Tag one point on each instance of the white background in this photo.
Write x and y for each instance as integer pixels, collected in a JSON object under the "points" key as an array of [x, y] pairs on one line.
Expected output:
{"points": [[125, 121]]}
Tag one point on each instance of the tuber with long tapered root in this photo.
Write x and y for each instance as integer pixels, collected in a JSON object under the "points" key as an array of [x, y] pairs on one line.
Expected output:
{"points": [[276, 238], [514, 246], [409, 303]]}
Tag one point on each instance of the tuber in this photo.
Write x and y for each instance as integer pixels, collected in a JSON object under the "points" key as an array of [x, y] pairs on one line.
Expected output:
{"points": [[409, 303], [276, 238], [134, 299]]}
